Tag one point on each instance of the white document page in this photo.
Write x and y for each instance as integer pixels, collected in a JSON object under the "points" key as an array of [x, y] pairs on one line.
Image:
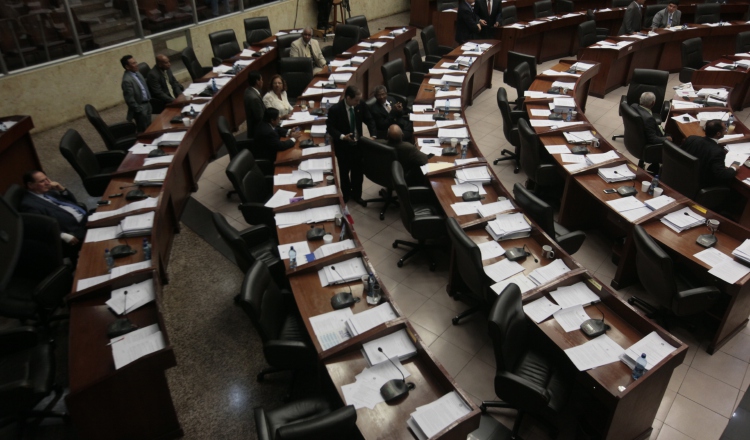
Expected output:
{"points": [[540, 112], [440, 414], [330, 328], [147, 203], [466, 208], [495, 208], [281, 198], [137, 344], [659, 202], [557, 149], [396, 345], [540, 309], [570, 319], [577, 294], [460, 189], [138, 295], [502, 270], [713, 257], [85, 283], [520, 280], [101, 234], [126, 269], [138, 222], [311, 193], [363, 321], [730, 271], [460, 162], [158, 160], [334, 248], [301, 247], [655, 347], [437, 151], [572, 158], [625, 204], [596, 352], [421, 118], [491, 249]]}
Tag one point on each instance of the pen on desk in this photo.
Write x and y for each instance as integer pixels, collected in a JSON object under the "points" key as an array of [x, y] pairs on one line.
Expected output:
{"points": [[690, 215]]}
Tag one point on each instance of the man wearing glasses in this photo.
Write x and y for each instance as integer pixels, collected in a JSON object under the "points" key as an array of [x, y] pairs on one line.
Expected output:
{"points": [[309, 48]]}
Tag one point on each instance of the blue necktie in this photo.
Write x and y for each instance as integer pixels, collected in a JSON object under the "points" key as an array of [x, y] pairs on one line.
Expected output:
{"points": [[63, 203]]}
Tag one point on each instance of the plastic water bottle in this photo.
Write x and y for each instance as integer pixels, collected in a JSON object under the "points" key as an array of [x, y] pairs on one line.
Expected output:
{"points": [[109, 260], [640, 367], [654, 185], [447, 107], [192, 112], [292, 258], [328, 139], [146, 249], [464, 148], [730, 121], [213, 86], [568, 116]]}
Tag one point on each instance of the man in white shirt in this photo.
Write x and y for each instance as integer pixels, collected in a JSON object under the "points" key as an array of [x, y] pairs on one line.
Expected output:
{"points": [[309, 48], [667, 17]]}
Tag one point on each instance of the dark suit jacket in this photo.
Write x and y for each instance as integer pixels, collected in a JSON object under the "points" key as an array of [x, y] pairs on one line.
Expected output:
{"points": [[662, 17], [158, 87], [131, 92], [632, 20], [466, 23], [408, 155], [254, 109], [711, 156], [32, 203], [267, 139], [383, 120], [653, 132], [338, 121], [491, 17]]}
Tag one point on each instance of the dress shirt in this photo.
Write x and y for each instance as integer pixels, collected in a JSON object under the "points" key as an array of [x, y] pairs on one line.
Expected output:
{"points": [[66, 207], [271, 100], [144, 90]]}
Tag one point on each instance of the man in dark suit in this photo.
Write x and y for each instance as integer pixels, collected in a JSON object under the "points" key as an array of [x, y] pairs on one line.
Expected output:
{"points": [[711, 155], [631, 22], [254, 107], [468, 26], [654, 132], [408, 155], [267, 137], [386, 113], [490, 16], [344, 124], [136, 95], [667, 17], [162, 83], [51, 199]]}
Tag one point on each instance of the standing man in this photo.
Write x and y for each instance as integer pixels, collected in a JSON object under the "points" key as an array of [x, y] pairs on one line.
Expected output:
{"points": [[468, 26], [344, 124], [162, 84], [309, 48], [631, 22], [324, 11], [385, 113], [254, 106], [667, 17], [490, 16], [711, 155], [136, 94]]}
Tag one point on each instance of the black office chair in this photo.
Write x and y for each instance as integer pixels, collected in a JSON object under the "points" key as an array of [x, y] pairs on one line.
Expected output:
{"points": [[378, 159], [397, 83], [284, 44], [707, 13], [635, 138], [254, 189], [543, 9], [523, 79], [691, 52], [257, 29], [648, 80], [600, 31], [510, 15], [673, 293], [120, 136], [233, 145], [11, 229], [648, 15], [536, 162], [308, 419], [345, 36], [434, 52], [414, 64], [621, 3], [514, 59], [564, 6], [298, 72], [286, 344], [442, 5], [95, 169], [742, 43], [529, 377], [143, 69], [681, 171], [587, 34], [543, 215], [420, 214], [224, 45], [193, 66], [510, 129], [361, 21], [476, 285]]}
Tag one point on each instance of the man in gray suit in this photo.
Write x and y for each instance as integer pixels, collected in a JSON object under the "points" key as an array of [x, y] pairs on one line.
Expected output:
{"points": [[632, 20], [309, 48], [667, 17], [135, 92], [162, 84]]}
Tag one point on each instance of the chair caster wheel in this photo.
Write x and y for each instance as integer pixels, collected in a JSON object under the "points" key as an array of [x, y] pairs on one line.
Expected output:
{"points": [[515, 171], [483, 408], [433, 266], [454, 321], [395, 245], [382, 216], [400, 263]]}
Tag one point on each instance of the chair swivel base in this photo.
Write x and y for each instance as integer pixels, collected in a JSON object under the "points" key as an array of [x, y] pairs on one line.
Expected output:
{"points": [[416, 247], [614, 137], [455, 320], [270, 370], [385, 197], [497, 404], [510, 156]]}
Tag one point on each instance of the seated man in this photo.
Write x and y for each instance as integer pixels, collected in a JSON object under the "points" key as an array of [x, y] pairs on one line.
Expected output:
{"points": [[309, 48], [162, 83], [667, 17], [408, 155], [711, 155], [268, 134], [53, 200], [654, 132], [385, 114]]}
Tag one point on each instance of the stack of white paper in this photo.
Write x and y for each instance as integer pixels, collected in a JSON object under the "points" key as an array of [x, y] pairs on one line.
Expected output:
{"points": [[396, 345], [323, 164], [545, 274], [316, 150], [312, 193], [318, 130], [682, 220], [743, 251], [342, 272], [330, 328], [491, 249], [311, 215], [577, 294], [659, 202], [167, 159], [371, 318], [502, 269], [655, 347], [365, 391], [428, 420], [454, 104], [563, 105], [147, 203], [595, 159], [540, 309], [582, 67], [520, 280], [150, 177], [465, 61], [132, 297], [495, 208], [474, 174], [466, 208], [334, 248], [171, 139], [619, 173], [453, 80], [579, 137], [626, 204], [136, 344], [508, 226], [136, 225], [340, 78]]}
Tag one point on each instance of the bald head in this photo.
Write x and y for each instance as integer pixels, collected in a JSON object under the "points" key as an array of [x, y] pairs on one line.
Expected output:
{"points": [[162, 62], [395, 134]]}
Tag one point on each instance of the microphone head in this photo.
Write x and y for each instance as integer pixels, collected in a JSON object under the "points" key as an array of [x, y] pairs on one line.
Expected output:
{"points": [[380, 349]]}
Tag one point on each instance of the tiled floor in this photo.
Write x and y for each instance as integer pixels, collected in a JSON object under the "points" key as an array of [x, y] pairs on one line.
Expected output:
{"points": [[703, 391]]}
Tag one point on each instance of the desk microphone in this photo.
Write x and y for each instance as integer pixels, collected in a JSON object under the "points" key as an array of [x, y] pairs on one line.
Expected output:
{"points": [[305, 182], [528, 252], [122, 325], [472, 196], [395, 388], [342, 299], [314, 233], [594, 327], [627, 191], [578, 149]]}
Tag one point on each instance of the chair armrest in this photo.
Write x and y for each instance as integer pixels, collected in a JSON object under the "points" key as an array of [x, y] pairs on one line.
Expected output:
{"points": [[255, 235], [288, 354], [664, 110], [257, 214], [51, 291], [421, 194], [444, 50], [623, 98], [216, 61], [546, 174], [245, 44], [713, 197], [122, 129], [110, 158], [571, 242], [430, 64], [400, 98], [416, 77], [414, 87], [517, 115], [433, 59], [690, 302], [343, 419], [428, 226], [18, 338], [533, 396], [652, 153]]}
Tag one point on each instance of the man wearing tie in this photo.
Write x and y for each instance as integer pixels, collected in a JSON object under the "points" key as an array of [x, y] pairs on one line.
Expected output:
{"points": [[490, 16], [385, 114], [135, 92], [468, 26], [667, 17], [631, 22], [344, 124], [309, 48], [162, 84]]}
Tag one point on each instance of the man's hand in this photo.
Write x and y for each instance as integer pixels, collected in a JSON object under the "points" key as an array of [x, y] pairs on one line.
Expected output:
{"points": [[349, 137], [56, 186], [398, 106], [497, 25], [479, 27], [73, 241], [669, 138], [484, 22]]}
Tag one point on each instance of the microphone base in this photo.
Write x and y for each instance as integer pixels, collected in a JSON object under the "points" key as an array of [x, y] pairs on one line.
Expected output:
{"points": [[516, 253], [706, 240], [395, 389], [305, 183], [627, 191], [471, 196], [120, 327], [316, 234], [343, 300], [594, 327]]}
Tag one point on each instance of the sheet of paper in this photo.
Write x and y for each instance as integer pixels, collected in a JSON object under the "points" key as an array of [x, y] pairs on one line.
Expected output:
{"points": [[138, 294], [460, 189], [713, 257], [491, 249], [540, 112], [577, 294], [311, 193], [330, 328], [126, 269], [659, 202], [135, 345], [600, 351], [557, 149], [730, 271], [522, 281], [281, 198], [502, 270], [301, 247], [101, 234], [397, 345], [437, 151], [85, 283], [371, 318], [570, 319], [540, 309], [572, 158], [436, 416], [466, 208], [625, 204]]}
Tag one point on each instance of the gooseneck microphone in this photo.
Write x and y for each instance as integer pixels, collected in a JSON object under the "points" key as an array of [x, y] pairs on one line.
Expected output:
{"points": [[528, 252], [342, 299], [305, 182], [122, 325], [472, 196], [395, 388]]}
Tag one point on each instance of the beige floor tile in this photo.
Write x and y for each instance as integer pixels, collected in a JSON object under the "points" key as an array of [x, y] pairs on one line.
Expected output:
{"points": [[433, 317], [666, 404], [470, 335], [451, 357], [668, 433], [678, 375], [691, 418], [387, 281], [377, 253], [739, 399], [407, 299], [746, 381], [427, 283], [427, 336], [739, 347], [367, 227], [389, 268], [205, 187], [720, 365], [478, 379], [709, 392], [693, 344], [656, 428]]}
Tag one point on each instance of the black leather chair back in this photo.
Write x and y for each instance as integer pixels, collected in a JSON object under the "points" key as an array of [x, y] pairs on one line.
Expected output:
{"points": [[655, 268], [257, 29], [742, 43], [78, 154], [361, 21], [510, 15], [621, 3], [586, 33], [514, 59], [414, 61], [224, 44], [510, 130], [648, 15], [11, 229], [346, 36], [101, 127], [564, 6], [468, 260], [263, 302], [635, 130], [402, 190], [247, 178], [394, 77], [143, 69], [298, 72], [680, 170], [284, 44], [507, 328], [648, 80], [691, 51], [536, 208], [232, 238], [193, 66], [378, 159], [13, 196], [336, 425], [442, 5], [227, 137], [530, 155], [523, 78], [543, 8], [707, 13], [430, 41]]}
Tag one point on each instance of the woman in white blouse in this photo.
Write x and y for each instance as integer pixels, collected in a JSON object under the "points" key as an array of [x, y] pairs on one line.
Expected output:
{"points": [[276, 97]]}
